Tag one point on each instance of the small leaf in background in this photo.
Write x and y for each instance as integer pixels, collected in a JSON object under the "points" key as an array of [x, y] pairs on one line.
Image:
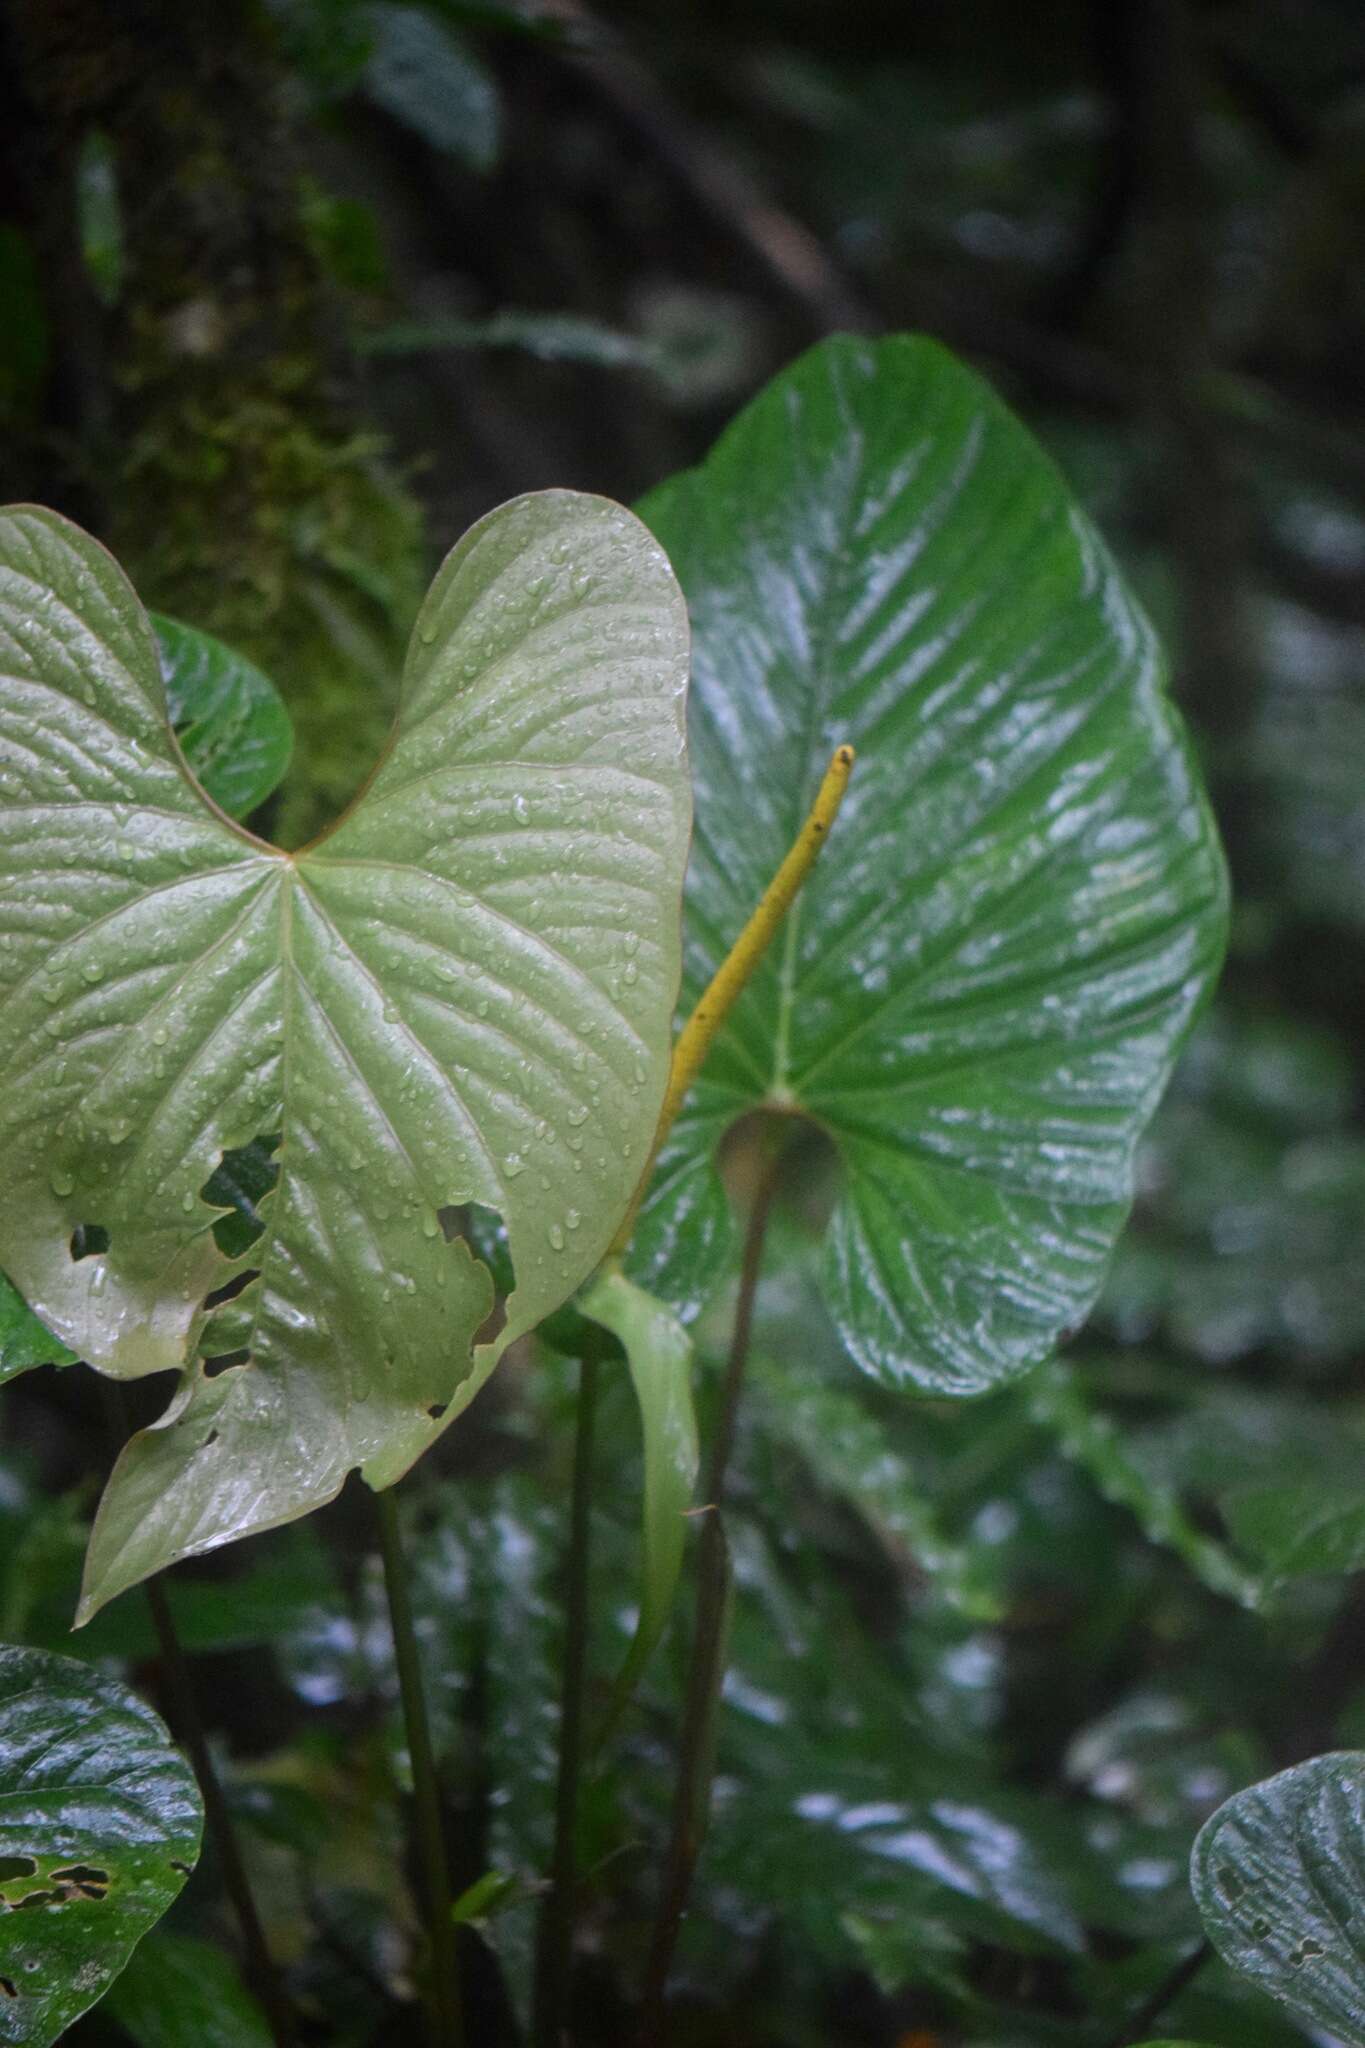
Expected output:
{"points": [[426, 77], [100, 1825], [99, 215], [659, 1354], [1279, 1877], [550, 337], [982, 989], [229, 717], [177, 1991], [24, 1342], [1059, 1400]]}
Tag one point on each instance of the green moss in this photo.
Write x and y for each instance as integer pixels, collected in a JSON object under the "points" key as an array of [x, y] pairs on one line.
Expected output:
{"points": [[242, 509]]}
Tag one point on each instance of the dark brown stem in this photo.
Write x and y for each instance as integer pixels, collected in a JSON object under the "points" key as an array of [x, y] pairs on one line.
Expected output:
{"points": [[444, 2015], [554, 1958], [260, 1970], [188, 1727], [706, 1670], [1166, 1993]]}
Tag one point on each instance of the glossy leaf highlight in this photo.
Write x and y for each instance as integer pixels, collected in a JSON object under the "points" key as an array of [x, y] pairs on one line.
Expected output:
{"points": [[100, 1824], [228, 716], [980, 992], [1279, 1877], [459, 995]]}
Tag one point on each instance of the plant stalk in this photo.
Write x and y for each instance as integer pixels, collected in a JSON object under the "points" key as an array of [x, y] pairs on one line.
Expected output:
{"points": [[261, 1975], [444, 2014], [1170, 1988], [721, 992], [263, 1978], [706, 1666], [554, 1955]]}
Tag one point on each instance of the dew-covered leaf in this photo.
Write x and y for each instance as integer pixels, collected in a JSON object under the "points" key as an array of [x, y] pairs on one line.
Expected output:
{"points": [[659, 1356], [1279, 1877], [460, 995], [228, 716], [176, 1991], [982, 987], [99, 1827]]}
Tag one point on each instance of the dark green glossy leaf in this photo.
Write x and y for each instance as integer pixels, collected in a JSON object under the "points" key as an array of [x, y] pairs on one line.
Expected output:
{"points": [[460, 994], [176, 1991], [982, 988], [229, 717], [24, 1342], [1279, 1876], [99, 1826]]}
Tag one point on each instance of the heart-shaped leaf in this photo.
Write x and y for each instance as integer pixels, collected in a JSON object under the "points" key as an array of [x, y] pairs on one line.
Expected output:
{"points": [[237, 738], [99, 1827], [982, 987], [1279, 1877], [460, 995]]}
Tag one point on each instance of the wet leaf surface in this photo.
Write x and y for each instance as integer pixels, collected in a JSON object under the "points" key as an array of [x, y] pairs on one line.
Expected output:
{"points": [[984, 983], [99, 1828], [1279, 1876], [460, 994]]}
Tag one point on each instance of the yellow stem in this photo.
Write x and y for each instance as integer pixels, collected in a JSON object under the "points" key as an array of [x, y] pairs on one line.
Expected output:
{"points": [[695, 1038]]}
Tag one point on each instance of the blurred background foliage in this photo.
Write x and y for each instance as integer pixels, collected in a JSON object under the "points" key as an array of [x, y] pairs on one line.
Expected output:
{"points": [[293, 291]]}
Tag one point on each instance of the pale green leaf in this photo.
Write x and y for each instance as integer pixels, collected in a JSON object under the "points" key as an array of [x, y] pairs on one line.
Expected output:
{"points": [[983, 985], [1279, 1877], [459, 995], [99, 1826], [659, 1355]]}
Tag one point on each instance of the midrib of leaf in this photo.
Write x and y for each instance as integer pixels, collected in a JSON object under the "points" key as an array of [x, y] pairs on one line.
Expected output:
{"points": [[822, 628]]}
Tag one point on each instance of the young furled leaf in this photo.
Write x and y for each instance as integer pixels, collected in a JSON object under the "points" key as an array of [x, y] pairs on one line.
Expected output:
{"points": [[460, 994], [981, 990]]}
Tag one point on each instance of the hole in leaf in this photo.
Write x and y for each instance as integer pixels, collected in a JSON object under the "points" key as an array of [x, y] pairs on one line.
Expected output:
{"points": [[38, 1899], [1229, 1883], [88, 1240], [210, 1440], [437, 1410], [234, 1287], [227, 1359], [183, 1868], [239, 1183], [484, 1231], [1307, 1951], [1259, 1929], [16, 1866], [7, 1988]]}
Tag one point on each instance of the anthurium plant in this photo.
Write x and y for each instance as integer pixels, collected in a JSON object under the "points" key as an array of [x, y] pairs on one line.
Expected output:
{"points": [[326, 1131]]}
